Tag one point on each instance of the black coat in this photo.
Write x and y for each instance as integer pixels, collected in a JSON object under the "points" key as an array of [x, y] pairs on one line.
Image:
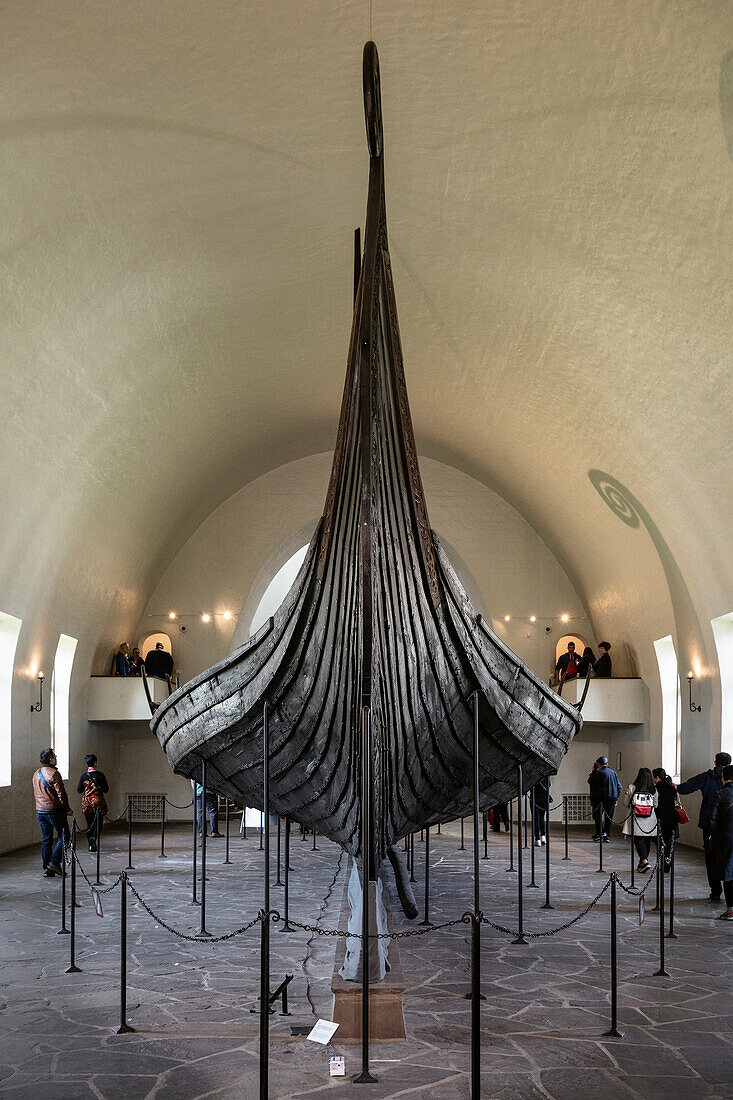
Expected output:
{"points": [[720, 822]]}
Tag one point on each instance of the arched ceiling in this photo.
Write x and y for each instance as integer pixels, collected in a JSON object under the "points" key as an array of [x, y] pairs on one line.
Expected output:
{"points": [[181, 184]]}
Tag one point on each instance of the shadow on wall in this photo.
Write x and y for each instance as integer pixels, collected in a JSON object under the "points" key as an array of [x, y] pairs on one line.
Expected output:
{"points": [[625, 505]]}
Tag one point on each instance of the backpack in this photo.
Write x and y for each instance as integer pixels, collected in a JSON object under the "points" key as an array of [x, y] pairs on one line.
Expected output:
{"points": [[92, 798], [643, 804]]}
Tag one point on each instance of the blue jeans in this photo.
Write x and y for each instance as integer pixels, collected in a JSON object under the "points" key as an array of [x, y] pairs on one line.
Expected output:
{"points": [[50, 820]]}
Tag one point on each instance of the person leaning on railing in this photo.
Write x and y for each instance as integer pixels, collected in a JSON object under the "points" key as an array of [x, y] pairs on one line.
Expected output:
{"points": [[52, 810]]}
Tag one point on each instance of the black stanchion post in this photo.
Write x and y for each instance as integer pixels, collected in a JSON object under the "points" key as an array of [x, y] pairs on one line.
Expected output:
{"points": [[532, 882], [412, 858], [286, 926], [547, 904], [98, 840], [63, 930], [600, 870], [661, 973], [262, 829], [278, 881], [202, 929], [265, 929], [511, 866], [72, 967], [565, 816], [162, 829], [226, 833], [462, 846], [475, 994], [671, 935], [486, 834], [438, 828], [124, 1027], [656, 907], [613, 1031], [633, 847], [129, 835], [365, 1077], [520, 885], [315, 834], [194, 898], [526, 818], [427, 920]]}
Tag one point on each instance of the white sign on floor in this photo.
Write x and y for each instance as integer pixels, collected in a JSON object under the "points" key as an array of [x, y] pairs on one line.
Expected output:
{"points": [[323, 1032]]}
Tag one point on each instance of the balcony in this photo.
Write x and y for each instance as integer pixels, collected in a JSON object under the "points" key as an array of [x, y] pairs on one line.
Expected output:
{"points": [[617, 701], [122, 698]]}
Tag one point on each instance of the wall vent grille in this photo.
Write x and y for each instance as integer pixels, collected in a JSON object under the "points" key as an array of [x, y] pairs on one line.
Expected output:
{"points": [[579, 809], [146, 807]]}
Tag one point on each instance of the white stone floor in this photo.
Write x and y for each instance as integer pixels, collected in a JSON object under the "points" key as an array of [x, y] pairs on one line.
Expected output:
{"points": [[543, 1020]]}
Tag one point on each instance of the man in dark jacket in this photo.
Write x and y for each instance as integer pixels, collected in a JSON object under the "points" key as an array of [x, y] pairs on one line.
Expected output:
{"points": [[159, 662], [605, 788], [708, 783], [720, 823]]}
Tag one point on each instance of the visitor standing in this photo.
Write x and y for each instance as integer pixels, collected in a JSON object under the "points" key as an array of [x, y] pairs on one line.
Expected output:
{"points": [[720, 823], [667, 803], [608, 791], [136, 662], [640, 802], [602, 667], [52, 810], [212, 806], [93, 787], [594, 793], [586, 663], [540, 812], [121, 664], [159, 662], [708, 783], [501, 817], [567, 664]]}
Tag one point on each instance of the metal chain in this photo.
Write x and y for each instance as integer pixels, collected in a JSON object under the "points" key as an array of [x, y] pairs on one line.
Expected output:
{"points": [[655, 869], [274, 915], [90, 884], [176, 806], [552, 931], [465, 919]]}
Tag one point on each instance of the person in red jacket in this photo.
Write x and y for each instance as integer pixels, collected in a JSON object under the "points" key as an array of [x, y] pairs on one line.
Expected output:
{"points": [[52, 809]]}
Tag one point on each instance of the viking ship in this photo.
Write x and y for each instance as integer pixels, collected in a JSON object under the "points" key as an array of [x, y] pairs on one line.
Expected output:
{"points": [[376, 623]]}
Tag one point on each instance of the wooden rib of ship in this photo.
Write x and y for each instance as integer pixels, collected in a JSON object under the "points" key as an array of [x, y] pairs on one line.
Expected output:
{"points": [[376, 618]]}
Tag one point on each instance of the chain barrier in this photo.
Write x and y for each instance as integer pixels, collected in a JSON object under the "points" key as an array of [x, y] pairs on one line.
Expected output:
{"points": [[177, 807], [465, 919], [274, 916], [551, 931], [90, 884], [634, 891]]}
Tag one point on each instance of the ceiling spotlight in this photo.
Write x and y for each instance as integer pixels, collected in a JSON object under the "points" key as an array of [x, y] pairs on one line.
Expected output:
{"points": [[205, 618], [533, 618], [507, 618], [564, 618], [227, 614], [171, 614]]}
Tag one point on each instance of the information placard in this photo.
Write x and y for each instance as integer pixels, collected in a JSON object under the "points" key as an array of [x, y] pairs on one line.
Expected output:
{"points": [[323, 1032], [97, 903], [337, 1066]]}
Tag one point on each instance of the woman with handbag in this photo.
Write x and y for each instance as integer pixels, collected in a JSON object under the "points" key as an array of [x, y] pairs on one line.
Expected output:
{"points": [[670, 812], [639, 801]]}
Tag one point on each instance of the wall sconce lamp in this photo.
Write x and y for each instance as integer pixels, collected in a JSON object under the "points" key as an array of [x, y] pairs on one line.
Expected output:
{"points": [[39, 704], [693, 707]]}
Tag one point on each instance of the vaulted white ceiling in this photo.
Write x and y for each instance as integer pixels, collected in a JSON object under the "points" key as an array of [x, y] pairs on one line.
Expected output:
{"points": [[181, 184]]}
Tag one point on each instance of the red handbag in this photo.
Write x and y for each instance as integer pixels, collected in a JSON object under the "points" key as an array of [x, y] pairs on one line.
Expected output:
{"points": [[681, 812]]}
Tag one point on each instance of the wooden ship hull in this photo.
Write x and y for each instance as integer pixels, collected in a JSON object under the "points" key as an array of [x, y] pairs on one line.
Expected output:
{"points": [[376, 624]]}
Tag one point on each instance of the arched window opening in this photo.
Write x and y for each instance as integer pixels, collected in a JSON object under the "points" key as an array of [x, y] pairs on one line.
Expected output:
{"points": [[723, 634], [278, 589], [669, 679], [63, 663], [9, 632]]}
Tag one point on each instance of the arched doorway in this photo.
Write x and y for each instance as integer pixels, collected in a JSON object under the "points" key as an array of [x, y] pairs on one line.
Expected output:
{"points": [[149, 641]]}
